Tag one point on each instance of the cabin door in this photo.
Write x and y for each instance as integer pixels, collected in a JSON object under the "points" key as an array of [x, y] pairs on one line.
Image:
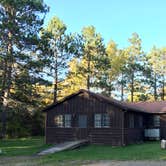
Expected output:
{"points": [[82, 132]]}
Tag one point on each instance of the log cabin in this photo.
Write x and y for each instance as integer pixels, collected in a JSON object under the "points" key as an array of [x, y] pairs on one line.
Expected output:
{"points": [[104, 120]]}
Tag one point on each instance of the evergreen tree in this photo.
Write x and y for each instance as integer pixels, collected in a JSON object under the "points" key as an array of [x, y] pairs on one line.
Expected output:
{"points": [[20, 22], [133, 65], [92, 53], [157, 65], [58, 49]]}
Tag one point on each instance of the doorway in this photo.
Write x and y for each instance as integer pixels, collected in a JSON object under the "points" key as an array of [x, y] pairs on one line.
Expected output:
{"points": [[82, 130]]}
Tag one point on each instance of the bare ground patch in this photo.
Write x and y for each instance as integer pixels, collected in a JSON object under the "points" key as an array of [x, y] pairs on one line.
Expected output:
{"points": [[39, 161]]}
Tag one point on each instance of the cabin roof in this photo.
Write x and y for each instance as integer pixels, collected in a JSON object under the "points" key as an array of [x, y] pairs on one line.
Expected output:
{"points": [[151, 106], [123, 105]]}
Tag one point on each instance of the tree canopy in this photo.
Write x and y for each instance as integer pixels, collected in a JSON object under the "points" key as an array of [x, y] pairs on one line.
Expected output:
{"points": [[40, 64]]}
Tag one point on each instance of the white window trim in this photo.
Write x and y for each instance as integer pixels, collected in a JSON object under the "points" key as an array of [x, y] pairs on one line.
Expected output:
{"points": [[99, 123], [62, 120]]}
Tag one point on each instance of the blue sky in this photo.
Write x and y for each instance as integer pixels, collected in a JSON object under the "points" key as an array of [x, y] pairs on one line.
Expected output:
{"points": [[115, 19]]}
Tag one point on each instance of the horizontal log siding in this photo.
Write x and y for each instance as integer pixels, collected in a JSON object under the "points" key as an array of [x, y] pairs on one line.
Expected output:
{"points": [[110, 136], [87, 105], [136, 134], [57, 135], [162, 126]]}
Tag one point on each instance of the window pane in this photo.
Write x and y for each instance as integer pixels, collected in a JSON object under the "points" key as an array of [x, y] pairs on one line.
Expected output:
{"points": [[67, 120], [156, 120], [58, 120], [106, 120], [97, 121]]}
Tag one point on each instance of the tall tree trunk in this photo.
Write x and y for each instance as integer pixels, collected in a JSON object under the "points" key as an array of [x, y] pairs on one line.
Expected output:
{"points": [[4, 109], [109, 92], [55, 90], [89, 70], [155, 87], [132, 86], [56, 78], [122, 88], [163, 88], [6, 82]]}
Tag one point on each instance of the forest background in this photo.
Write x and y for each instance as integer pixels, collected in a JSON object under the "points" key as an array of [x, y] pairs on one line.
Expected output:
{"points": [[40, 64]]}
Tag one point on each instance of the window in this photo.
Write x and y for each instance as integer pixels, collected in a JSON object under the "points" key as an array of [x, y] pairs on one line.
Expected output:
{"points": [[67, 120], [131, 121], [97, 120], [101, 120], [105, 120], [156, 120], [63, 120], [58, 120]]}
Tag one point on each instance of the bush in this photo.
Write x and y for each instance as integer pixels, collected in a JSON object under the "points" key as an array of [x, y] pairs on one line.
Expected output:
{"points": [[22, 123]]}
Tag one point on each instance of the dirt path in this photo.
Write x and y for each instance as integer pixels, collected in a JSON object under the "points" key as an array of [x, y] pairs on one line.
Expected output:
{"points": [[128, 163], [38, 161], [17, 161]]}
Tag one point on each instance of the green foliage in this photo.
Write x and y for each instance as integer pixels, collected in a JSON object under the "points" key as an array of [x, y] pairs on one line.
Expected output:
{"points": [[22, 123], [157, 66], [39, 65], [37, 123], [134, 63], [20, 22], [58, 48], [93, 51]]}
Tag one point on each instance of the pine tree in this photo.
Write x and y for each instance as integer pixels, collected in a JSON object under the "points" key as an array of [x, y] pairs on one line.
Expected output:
{"points": [[134, 52], [93, 50], [20, 22], [58, 48]]}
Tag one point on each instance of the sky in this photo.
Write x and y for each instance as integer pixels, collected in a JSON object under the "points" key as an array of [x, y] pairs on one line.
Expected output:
{"points": [[115, 19]]}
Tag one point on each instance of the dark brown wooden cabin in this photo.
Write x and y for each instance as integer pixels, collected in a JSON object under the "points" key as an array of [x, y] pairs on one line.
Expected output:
{"points": [[101, 120], [155, 120]]}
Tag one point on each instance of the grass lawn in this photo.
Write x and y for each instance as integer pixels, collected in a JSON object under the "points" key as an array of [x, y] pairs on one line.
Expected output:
{"points": [[22, 146], [29, 146]]}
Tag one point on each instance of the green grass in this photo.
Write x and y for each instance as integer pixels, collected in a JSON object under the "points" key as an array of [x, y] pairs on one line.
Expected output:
{"points": [[22, 146], [145, 151], [30, 146]]}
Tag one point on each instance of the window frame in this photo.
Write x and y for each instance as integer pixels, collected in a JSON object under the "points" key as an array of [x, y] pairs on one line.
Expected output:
{"points": [[156, 120], [105, 120], [63, 121], [101, 120], [67, 121], [97, 121], [58, 121]]}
